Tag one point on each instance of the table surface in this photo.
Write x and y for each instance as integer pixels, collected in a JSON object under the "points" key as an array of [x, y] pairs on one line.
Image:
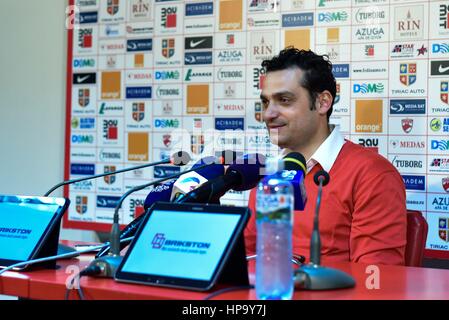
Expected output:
{"points": [[395, 282]]}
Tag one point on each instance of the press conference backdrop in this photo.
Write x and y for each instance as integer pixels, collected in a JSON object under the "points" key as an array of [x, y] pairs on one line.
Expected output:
{"points": [[140, 71]]}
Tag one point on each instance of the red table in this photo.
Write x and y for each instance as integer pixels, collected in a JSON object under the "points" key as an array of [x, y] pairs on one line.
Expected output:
{"points": [[395, 283]]}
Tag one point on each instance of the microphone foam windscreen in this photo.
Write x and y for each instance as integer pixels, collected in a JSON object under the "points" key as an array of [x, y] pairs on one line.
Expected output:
{"points": [[249, 167], [180, 158], [212, 171], [161, 192], [295, 161]]}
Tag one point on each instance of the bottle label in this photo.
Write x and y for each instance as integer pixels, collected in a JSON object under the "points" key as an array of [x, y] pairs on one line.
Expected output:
{"points": [[274, 207]]}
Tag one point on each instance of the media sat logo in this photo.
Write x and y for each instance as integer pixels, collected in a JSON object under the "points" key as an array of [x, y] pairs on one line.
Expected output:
{"points": [[81, 204], [407, 73], [443, 229]]}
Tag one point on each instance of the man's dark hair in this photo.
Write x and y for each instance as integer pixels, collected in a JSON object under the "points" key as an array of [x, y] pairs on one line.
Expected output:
{"points": [[317, 71]]}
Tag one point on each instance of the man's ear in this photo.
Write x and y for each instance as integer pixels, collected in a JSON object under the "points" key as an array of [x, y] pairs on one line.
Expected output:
{"points": [[324, 102]]}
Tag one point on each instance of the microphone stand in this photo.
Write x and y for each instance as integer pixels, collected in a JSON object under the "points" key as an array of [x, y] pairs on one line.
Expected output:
{"points": [[109, 263], [313, 276]]}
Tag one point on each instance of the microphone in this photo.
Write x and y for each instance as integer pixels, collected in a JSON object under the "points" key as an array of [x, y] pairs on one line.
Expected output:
{"points": [[207, 167], [243, 174], [294, 172], [190, 181], [178, 158], [313, 276]]}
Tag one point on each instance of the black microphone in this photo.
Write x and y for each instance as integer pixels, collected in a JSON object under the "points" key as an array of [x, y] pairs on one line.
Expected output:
{"points": [[201, 166], [243, 174], [179, 158], [313, 276]]}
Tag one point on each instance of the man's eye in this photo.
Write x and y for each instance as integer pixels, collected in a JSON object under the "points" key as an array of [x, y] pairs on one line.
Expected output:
{"points": [[284, 100], [265, 104]]}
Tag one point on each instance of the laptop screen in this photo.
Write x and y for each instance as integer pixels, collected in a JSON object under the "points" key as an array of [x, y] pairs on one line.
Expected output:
{"points": [[182, 244], [23, 222]]}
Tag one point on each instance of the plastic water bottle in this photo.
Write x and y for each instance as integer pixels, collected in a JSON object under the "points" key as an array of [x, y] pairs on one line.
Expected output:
{"points": [[274, 221]]}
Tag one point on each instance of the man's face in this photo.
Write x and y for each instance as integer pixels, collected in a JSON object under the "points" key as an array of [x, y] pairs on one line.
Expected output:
{"points": [[290, 122]]}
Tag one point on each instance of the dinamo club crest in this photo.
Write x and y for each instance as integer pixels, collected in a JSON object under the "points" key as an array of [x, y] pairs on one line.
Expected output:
{"points": [[168, 47], [197, 143], [112, 6], [407, 125], [166, 139], [83, 97], [445, 183], [258, 111], [109, 179], [138, 111], [443, 229], [81, 204], [444, 91], [407, 73], [337, 94]]}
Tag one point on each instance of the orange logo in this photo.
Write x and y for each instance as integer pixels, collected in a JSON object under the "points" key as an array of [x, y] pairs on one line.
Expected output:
{"points": [[368, 116], [198, 99], [138, 145], [231, 15], [333, 35], [299, 39], [139, 61], [111, 85]]}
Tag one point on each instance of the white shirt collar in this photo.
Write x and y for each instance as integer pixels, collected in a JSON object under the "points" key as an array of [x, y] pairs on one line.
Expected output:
{"points": [[327, 152]]}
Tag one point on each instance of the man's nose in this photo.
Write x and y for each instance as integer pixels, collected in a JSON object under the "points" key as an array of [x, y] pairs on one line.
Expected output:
{"points": [[271, 112]]}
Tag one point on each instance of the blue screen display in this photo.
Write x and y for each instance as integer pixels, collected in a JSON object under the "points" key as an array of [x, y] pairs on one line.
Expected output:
{"points": [[22, 224], [181, 244]]}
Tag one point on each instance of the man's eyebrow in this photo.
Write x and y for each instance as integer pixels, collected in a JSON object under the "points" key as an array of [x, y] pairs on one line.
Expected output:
{"points": [[278, 95]]}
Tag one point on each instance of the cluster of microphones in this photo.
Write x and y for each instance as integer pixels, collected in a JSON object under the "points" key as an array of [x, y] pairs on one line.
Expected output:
{"points": [[206, 182]]}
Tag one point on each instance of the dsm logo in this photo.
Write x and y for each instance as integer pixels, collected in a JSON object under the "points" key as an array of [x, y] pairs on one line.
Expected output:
{"points": [[365, 88], [333, 16]]}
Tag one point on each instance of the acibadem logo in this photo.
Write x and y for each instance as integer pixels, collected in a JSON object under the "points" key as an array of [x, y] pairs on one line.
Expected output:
{"points": [[364, 88]]}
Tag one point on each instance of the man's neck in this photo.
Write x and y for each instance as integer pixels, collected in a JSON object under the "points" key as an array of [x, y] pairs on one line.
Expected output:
{"points": [[312, 145]]}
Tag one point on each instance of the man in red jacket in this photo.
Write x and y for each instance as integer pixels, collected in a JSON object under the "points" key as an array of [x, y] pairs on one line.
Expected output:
{"points": [[363, 209]]}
